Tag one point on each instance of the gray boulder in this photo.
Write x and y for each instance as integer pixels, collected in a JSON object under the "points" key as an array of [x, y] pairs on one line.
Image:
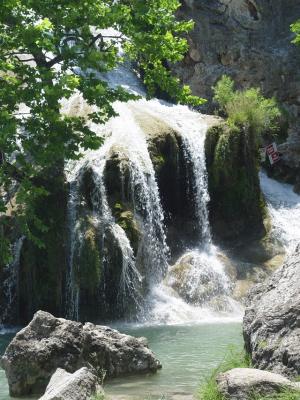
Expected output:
{"points": [[78, 386], [48, 343], [244, 383], [271, 323]]}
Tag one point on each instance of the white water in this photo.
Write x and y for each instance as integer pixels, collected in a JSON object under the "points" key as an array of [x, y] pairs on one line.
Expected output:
{"points": [[192, 129], [9, 285], [284, 208], [126, 136]]}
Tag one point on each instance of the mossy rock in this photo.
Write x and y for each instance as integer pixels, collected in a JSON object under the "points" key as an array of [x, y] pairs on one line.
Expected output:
{"points": [[126, 220], [237, 206], [88, 268]]}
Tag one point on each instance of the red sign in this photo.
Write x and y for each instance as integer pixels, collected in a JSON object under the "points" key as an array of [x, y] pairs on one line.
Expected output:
{"points": [[273, 154]]}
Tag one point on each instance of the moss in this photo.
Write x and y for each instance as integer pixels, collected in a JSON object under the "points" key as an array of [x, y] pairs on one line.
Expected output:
{"points": [[126, 220], [88, 270], [262, 344], [237, 205]]}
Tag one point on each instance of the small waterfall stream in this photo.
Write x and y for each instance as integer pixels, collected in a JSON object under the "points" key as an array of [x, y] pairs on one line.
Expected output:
{"points": [[284, 209], [10, 283]]}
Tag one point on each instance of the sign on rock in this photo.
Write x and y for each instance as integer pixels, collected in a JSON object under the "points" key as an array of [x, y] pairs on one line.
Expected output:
{"points": [[272, 153]]}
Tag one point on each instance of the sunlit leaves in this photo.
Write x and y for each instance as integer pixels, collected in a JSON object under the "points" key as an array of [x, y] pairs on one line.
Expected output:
{"points": [[50, 50], [295, 28]]}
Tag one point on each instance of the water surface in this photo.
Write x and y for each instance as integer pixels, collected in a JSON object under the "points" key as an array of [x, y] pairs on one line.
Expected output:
{"points": [[188, 354]]}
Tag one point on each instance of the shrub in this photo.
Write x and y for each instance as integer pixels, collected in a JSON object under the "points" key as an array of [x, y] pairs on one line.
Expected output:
{"points": [[247, 108]]}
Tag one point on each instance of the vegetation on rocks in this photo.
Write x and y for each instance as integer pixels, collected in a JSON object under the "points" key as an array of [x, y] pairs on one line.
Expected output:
{"points": [[232, 152]]}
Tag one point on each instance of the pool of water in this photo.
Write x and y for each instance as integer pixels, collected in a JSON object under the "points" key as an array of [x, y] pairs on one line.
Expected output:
{"points": [[188, 354]]}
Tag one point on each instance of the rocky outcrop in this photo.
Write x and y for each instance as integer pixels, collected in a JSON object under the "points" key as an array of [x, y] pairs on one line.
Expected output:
{"points": [[271, 323], [248, 383], [236, 205], [249, 40], [288, 168], [48, 343], [80, 385]]}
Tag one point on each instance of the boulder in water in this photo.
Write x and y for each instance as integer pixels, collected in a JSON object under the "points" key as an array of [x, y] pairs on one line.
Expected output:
{"points": [[271, 323], [245, 383], [199, 279], [78, 386], [48, 343]]}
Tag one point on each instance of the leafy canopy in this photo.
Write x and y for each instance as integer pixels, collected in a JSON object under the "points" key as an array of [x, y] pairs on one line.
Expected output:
{"points": [[295, 28], [247, 108], [50, 50]]}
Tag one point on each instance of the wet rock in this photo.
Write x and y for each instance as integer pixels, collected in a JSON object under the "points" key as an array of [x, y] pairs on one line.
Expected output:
{"points": [[80, 385], [244, 383], [196, 278], [236, 204], [48, 343], [271, 323]]}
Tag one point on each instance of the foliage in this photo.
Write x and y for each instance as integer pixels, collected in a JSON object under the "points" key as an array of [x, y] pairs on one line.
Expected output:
{"points": [[234, 359], [247, 108], [98, 396], [51, 50], [295, 28]]}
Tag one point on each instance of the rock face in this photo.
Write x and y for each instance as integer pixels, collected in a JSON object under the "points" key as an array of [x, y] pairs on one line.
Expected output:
{"points": [[271, 323], [78, 386], [244, 383], [48, 343], [249, 40]]}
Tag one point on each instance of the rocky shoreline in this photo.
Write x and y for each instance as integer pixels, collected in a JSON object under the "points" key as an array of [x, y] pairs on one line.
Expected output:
{"points": [[50, 343], [271, 332]]}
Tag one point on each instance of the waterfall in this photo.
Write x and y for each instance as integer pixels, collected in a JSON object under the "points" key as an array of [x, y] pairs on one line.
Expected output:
{"points": [[148, 268], [284, 209], [10, 283], [193, 132], [129, 139]]}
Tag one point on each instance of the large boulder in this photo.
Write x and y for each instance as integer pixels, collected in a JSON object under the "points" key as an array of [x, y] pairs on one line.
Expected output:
{"points": [[48, 343], [78, 386], [246, 383], [272, 320]]}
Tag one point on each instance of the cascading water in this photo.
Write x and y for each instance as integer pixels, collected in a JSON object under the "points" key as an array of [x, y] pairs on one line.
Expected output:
{"points": [[127, 135], [129, 139], [204, 269], [284, 209], [10, 283]]}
